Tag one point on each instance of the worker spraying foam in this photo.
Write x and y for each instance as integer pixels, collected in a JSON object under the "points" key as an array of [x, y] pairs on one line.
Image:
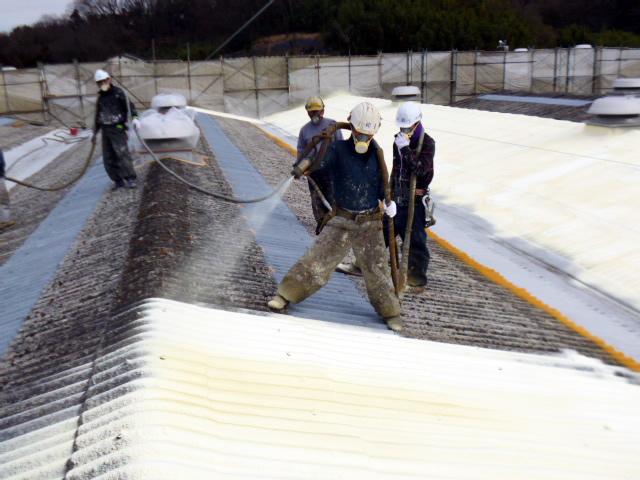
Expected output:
{"points": [[355, 221]]}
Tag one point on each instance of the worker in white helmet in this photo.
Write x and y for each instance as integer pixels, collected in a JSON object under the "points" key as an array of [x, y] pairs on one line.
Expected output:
{"points": [[314, 127], [413, 152], [355, 222], [112, 112]]}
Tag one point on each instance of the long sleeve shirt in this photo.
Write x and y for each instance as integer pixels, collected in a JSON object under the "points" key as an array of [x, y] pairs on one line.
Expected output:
{"points": [[309, 130], [409, 160], [356, 179], [111, 108]]}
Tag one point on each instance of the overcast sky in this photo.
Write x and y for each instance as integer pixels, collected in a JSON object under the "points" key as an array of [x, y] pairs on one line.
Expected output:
{"points": [[26, 12]]}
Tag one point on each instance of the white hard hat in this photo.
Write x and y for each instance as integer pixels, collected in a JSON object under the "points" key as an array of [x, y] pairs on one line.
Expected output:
{"points": [[101, 75], [409, 113], [365, 118]]}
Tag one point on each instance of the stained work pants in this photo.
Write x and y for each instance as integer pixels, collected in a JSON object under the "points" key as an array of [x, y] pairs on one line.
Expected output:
{"points": [[419, 255], [115, 154], [5, 202], [315, 267]]}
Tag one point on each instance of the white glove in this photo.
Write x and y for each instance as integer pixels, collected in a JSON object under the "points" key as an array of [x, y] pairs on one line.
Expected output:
{"points": [[136, 123], [390, 209], [401, 140]]}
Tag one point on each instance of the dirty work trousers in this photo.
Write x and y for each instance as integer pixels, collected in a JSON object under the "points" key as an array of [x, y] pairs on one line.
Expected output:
{"points": [[315, 267], [5, 203], [115, 154], [419, 255]]}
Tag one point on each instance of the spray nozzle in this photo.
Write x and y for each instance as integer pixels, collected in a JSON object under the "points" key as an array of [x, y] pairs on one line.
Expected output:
{"points": [[301, 167]]}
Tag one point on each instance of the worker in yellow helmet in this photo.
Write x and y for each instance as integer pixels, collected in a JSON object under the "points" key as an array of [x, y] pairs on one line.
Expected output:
{"points": [[316, 124]]}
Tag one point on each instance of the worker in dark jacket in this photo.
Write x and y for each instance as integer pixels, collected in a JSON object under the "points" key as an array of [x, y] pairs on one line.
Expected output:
{"points": [[358, 187], [5, 203], [413, 153], [112, 111]]}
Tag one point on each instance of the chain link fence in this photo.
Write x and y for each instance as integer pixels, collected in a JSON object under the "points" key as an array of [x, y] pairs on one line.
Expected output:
{"points": [[259, 86]]}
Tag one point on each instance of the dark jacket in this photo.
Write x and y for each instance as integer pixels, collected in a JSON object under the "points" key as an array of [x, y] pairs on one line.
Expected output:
{"points": [[356, 180], [112, 108], [408, 161], [1, 164]]}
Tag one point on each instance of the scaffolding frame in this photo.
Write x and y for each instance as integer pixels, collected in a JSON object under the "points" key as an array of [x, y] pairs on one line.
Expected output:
{"points": [[259, 86]]}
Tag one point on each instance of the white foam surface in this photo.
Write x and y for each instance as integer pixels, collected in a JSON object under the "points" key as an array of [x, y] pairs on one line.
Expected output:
{"points": [[550, 205]]}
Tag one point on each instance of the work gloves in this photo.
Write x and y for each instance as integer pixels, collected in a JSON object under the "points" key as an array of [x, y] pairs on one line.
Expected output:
{"points": [[401, 141], [390, 209], [136, 123]]}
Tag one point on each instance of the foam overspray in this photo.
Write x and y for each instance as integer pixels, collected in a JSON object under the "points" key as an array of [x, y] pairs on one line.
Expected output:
{"points": [[220, 258]]}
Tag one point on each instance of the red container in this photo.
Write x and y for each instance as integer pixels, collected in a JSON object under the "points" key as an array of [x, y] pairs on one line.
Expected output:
{"points": [[74, 131]]}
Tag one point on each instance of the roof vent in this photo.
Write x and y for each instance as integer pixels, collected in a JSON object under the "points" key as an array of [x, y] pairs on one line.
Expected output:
{"points": [[402, 94], [616, 111], [619, 108], [164, 101], [627, 85]]}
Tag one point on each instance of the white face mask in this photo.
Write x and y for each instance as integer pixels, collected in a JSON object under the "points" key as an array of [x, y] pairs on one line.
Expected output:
{"points": [[315, 118], [105, 86], [362, 142]]}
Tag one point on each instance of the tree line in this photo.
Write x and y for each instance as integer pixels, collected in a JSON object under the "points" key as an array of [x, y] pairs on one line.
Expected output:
{"points": [[95, 30]]}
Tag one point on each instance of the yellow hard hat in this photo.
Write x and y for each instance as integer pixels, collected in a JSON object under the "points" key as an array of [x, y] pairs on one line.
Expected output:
{"points": [[314, 103]]}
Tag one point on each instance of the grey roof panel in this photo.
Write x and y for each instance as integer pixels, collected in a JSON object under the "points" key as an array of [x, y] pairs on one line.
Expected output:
{"points": [[31, 267], [544, 100]]}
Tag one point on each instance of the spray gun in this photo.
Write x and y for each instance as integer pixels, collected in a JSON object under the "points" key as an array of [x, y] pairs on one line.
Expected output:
{"points": [[300, 167]]}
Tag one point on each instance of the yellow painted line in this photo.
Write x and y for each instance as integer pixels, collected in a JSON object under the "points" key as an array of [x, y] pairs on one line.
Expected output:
{"points": [[524, 294], [277, 140], [520, 292]]}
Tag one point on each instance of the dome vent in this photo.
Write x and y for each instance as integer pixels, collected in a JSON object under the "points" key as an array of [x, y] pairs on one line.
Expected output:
{"points": [[616, 111], [627, 85], [164, 101], [619, 108], [406, 93]]}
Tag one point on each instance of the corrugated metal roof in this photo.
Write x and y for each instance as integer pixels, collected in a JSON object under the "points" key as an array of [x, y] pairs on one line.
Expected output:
{"points": [[544, 100], [197, 393], [179, 391], [32, 266]]}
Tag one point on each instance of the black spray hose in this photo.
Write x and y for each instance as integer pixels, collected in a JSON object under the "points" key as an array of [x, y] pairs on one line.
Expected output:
{"points": [[64, 185], [196, 187], [208, 192]]}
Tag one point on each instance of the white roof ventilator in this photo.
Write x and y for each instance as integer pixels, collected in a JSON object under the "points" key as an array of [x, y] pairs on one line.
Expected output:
{"points": [[620, 108], [406, 93], [168, 129]]}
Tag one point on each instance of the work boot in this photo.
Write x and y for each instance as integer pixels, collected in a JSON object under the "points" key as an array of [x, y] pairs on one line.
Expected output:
{"points": [[117, 185], [415, 289], [395, 323], [349, 268], [132, 183], [278, 302]]}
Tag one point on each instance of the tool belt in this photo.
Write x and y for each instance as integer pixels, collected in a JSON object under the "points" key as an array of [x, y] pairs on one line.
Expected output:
{"points": [[360, 217], [401, 195]]}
